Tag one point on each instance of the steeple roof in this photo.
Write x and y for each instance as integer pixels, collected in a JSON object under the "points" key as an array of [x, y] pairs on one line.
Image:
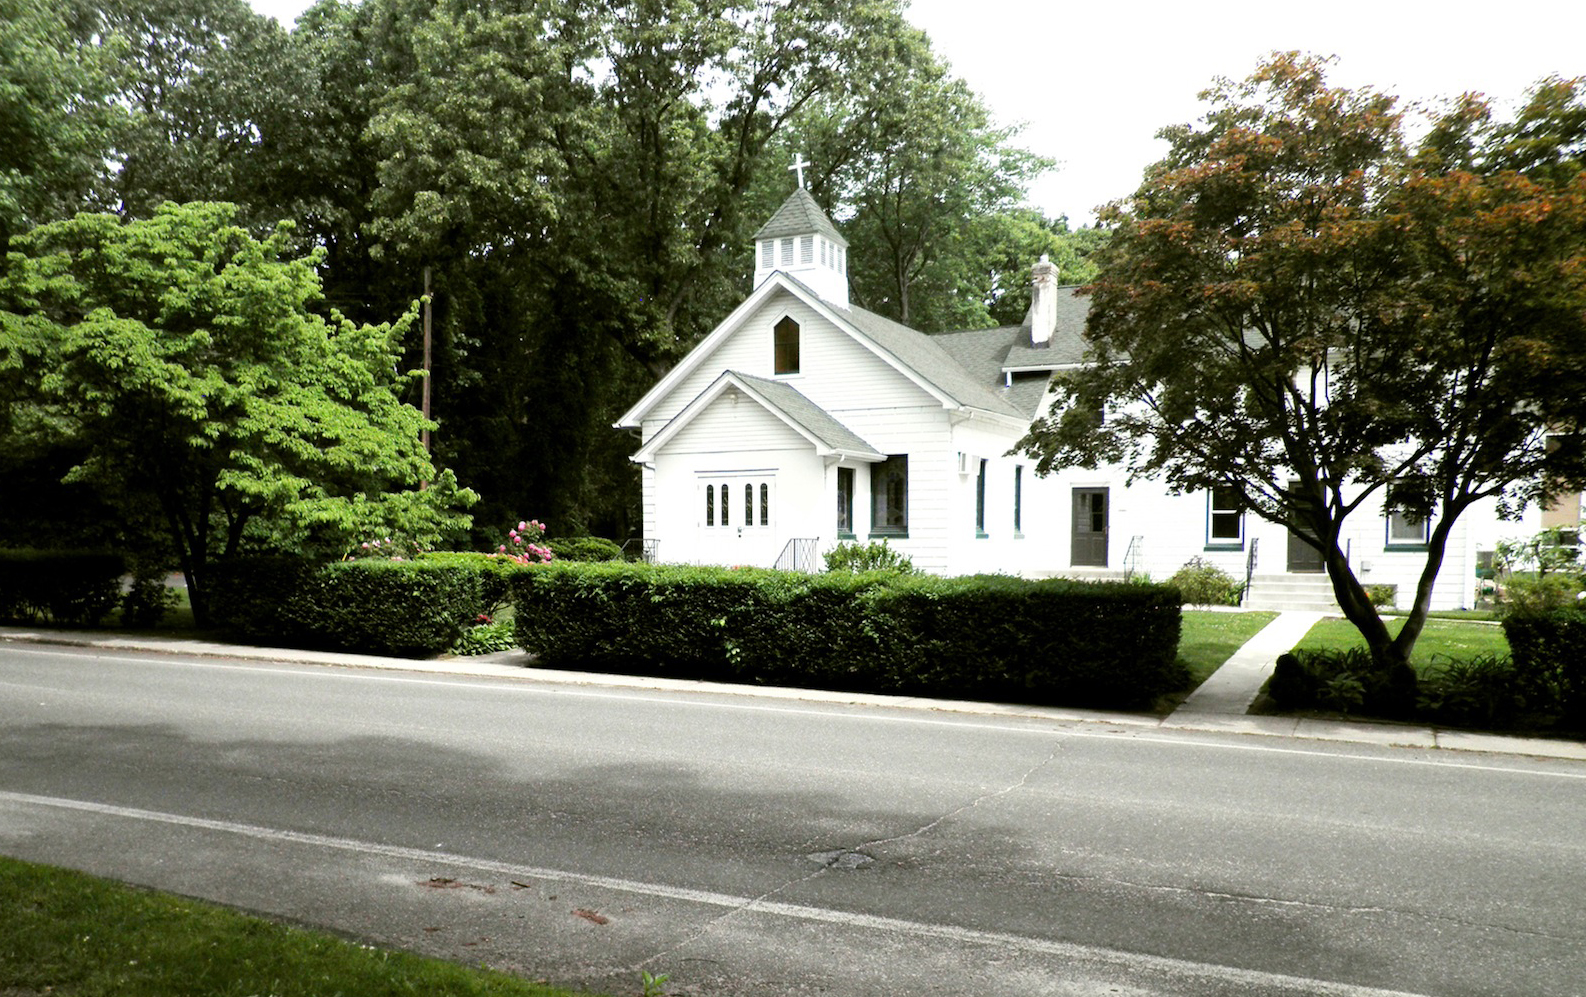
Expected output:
{"points": [[800, 215]]}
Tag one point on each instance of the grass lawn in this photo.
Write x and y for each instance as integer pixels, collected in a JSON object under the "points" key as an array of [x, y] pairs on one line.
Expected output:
{"points": [[64, 932], [1208, 639], [1443, 639]]}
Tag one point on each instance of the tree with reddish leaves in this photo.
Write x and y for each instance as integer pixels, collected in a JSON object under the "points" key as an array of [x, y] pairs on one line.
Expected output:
{"points": [[1296, 294]]}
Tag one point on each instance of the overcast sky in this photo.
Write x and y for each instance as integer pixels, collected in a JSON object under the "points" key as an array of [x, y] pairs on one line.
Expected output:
{"points": [[1094, 81]]}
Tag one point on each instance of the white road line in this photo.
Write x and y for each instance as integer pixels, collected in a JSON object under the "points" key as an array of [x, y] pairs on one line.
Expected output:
{"points": [[1253, 981], [1429, 758]]}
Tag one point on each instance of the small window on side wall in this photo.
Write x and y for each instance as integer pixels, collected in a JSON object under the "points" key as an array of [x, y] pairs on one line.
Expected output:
{"points": [[1225, 518], [1406, 527], [785, 346]]}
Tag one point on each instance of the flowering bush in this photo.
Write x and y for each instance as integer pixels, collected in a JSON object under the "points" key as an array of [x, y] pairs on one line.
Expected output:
{"points": [[523, 544], [389, 548]]}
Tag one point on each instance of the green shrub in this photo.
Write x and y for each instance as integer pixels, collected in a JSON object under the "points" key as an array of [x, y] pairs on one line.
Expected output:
{"points": [[377, 607], [491, 573], [1532, 595], [990, 636], [1204, 584], [1549, 650], [1384, 596], [873, 556], [64, 588], [584, 549], [147, 601], [1348, 681]]}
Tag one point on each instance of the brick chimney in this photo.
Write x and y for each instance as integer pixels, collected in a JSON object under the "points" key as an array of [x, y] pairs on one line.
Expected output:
{"points": [[1043, 301]]}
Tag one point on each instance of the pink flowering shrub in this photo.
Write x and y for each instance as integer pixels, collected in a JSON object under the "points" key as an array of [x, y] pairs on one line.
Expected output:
{"points": [[523, 544], [391, 549]]}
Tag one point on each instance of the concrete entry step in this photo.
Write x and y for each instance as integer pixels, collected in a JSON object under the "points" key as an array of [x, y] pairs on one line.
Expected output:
{"points": [[1306, 593]]}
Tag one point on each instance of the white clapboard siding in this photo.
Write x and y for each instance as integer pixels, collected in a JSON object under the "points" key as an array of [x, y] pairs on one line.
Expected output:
{"points": [[740, 425]]}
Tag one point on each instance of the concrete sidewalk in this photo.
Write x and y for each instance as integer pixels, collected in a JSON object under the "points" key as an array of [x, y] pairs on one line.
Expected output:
{"points": [[1233, 687], [1219, 716]]}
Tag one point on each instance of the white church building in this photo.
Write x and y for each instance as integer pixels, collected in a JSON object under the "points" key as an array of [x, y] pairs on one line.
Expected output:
{"points": [[802, 421]]}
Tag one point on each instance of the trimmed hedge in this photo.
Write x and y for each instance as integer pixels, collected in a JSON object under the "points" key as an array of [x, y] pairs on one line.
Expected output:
{"points": [[997, 637], [68, 588], [584, 549], [1549, 651], [380, 607], [491, 572]]}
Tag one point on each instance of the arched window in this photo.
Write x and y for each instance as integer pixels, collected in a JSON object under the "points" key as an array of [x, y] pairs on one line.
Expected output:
{"points": [[765, 504], [725, 502], [710, 505], [785, 339]]}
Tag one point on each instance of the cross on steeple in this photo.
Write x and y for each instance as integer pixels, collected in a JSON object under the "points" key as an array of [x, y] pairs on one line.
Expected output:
{"points": [[799, 164]]}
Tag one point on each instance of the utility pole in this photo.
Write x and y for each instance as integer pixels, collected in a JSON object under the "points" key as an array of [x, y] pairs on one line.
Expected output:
{"points": [[424, 406]]}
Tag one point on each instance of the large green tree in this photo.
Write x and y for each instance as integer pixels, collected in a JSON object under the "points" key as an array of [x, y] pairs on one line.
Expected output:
{"points": [[1292, 295], [184, 365], [926, 184], [59, 124]]}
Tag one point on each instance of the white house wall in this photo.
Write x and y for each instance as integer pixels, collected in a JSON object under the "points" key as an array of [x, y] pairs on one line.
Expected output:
{"points": [[735, 442], [1173, 529], [835, 372]]}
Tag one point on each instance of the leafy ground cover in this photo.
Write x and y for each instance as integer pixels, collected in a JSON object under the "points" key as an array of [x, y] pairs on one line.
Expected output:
{"points": [[65, 932], [1441, 641]]}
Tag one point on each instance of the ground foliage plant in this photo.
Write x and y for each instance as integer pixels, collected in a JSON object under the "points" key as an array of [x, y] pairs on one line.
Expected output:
{"points": [[187, 371], [992, 637], [1298, 306]]}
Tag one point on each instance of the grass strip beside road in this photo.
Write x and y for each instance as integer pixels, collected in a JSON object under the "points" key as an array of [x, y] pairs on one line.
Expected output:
{"points": [[66, 932]]}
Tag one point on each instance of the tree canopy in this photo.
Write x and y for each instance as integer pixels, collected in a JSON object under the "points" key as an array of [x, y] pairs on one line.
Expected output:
{"points": [[1295, 295], [580, 181], [187, 372]]}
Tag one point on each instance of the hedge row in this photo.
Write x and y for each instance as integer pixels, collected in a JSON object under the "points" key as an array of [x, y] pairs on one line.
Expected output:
{"points": [[66, 588], [992, 637], [1549, 651], [379, 607]]}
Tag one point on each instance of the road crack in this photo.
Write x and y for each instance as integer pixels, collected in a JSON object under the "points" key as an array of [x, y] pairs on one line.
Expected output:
{"points": [[823, 869]]}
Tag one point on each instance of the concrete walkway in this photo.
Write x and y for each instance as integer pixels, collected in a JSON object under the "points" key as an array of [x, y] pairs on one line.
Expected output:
{"points": [[1233, 687], [1244, 678]]}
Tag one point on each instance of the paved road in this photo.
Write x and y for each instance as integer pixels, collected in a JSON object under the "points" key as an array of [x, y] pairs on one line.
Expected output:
{"points": [[752, 847]]}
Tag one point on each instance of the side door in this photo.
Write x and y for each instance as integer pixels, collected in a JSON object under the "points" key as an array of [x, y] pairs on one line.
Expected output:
{"points": [[1091, 525]]}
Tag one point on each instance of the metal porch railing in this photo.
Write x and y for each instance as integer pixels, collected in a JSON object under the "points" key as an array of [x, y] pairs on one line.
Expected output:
{"points": [[798, 555]]}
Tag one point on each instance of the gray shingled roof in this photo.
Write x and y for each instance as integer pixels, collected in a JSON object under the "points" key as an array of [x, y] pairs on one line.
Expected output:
{"points": [[799, 215], [811, 417], [926, 357], [1068, 339], [981, 353]]}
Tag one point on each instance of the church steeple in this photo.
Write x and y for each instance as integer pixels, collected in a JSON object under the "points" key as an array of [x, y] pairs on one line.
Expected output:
{"points": [[802, 242]]}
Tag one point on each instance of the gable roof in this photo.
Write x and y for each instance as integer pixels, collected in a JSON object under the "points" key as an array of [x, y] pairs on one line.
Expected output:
{"points": [[972, 370], [826, 435], [799, 215]]}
